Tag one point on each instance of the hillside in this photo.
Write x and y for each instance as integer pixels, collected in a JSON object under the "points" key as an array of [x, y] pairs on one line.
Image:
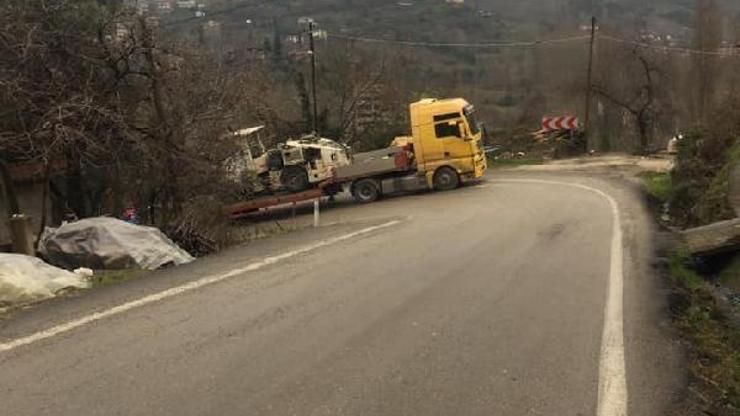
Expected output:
{"points": [[514, 86], [473, 20]]}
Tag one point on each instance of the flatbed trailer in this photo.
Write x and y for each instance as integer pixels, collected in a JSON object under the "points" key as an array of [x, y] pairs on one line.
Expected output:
{"points": [[364, 178]]}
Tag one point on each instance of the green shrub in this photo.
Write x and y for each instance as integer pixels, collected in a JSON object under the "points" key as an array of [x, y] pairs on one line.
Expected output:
{"points": [[699, 180], [659, 185], [680, 274]]}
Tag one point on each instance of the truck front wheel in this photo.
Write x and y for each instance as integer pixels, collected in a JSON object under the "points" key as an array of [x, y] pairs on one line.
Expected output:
{"points": [[366, 191], [446, 179]]}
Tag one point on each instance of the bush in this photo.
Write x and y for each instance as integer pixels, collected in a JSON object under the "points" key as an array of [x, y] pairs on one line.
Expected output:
{"points": [[659, 186], [699, 180]]}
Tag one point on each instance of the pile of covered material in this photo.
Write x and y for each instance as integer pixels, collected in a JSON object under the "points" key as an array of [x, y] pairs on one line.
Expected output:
{"points": [[111, 244], [26, 279]]}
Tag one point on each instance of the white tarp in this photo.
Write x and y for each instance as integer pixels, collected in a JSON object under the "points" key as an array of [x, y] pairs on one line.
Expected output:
{"points": [[111, 244], [25, 279]]}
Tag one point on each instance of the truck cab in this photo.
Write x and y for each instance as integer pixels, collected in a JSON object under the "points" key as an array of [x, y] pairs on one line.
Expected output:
{"points": [[447, 138]]}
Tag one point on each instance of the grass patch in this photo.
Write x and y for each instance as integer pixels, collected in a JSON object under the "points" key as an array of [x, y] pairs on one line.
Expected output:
{"points": [[681, 275], [105, 278], [733, 155], [658, 185], [715, 343]]}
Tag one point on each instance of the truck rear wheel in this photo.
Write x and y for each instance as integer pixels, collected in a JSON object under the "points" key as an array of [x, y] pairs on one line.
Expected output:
{"points": [[446, 179], [294, 179], [366, 191]]}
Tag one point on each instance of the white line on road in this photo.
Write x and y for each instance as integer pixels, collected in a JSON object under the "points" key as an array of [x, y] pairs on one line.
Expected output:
{"points": [[205, 281], [612, 368]]}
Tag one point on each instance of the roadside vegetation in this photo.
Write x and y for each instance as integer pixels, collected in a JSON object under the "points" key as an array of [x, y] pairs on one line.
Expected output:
{"points": [[696, 193], [700, 180], [713, 339], [659, 185]]}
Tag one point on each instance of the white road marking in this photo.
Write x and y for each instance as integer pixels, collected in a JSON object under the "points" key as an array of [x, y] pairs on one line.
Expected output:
{"points": [[197, 284], [612, 368]]}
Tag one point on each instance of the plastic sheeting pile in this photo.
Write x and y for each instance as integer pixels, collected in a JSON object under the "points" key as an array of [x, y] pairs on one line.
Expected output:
{"points": [[111, 244], [26, 279]]}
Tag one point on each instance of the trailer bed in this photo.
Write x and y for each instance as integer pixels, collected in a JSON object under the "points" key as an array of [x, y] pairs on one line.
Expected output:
{"points": [[378, 162]]}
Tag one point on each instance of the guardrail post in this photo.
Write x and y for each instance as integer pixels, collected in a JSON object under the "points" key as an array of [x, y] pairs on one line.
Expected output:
{"points": [[295, 222]]}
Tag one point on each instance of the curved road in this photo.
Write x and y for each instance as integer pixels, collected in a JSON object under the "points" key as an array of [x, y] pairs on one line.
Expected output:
{"points": [[489, 300]]}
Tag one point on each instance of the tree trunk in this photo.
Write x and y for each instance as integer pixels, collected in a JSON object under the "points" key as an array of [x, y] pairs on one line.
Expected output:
{"points": [[6, 183], [644, 128], [75, 195]]}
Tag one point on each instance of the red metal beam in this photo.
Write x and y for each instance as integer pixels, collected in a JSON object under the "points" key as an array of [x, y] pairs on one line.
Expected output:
{"points": [[245, 208]]}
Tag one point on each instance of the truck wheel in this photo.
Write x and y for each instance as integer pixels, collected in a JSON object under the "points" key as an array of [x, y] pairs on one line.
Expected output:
{"points": [[446, 179], [294, 179], [366, 191]]}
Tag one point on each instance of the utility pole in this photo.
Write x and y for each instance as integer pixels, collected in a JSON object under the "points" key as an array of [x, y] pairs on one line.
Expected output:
{"points": [[312, 52], [589, 77]]}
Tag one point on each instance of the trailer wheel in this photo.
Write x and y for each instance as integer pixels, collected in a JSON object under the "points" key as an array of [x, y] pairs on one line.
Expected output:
{"points": [[446, 179], [366, 191], [294, 179]]}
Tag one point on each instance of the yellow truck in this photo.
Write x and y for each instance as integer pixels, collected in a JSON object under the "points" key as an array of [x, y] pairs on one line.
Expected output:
{"points": [[444, 150]]}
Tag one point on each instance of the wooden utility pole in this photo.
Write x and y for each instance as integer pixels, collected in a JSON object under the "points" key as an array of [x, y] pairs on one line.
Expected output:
{"points": [[589, 77], [313, 77]]}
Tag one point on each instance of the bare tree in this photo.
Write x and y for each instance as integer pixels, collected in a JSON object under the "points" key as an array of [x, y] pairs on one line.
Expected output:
{"points": [[363, 89], [50, 84], [127, 110], [631, 81]]}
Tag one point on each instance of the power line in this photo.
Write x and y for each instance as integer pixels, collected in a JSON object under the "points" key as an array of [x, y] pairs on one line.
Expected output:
{"points": [[734, 53], [217, 13], [528, 44]]}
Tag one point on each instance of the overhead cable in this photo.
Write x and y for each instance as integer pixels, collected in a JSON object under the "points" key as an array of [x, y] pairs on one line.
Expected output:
{"points": [[527, 44]]}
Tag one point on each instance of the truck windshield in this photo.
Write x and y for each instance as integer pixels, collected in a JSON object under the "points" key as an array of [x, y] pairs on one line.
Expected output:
{"points": [[472, 119]]}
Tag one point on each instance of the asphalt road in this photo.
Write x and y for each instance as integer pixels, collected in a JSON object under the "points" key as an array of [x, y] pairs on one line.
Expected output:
{"points": [[489, 300]]}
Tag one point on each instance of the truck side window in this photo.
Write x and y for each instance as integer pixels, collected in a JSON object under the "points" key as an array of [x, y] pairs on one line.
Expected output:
{"points": [[446, 117], [445, 130]]}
